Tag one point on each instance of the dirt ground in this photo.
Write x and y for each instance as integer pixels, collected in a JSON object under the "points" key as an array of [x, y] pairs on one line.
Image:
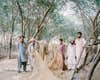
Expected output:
{"points": [[8, 71]]}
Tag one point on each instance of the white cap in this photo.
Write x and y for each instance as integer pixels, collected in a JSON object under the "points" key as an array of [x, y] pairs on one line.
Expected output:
{"points": [[71, 38]]}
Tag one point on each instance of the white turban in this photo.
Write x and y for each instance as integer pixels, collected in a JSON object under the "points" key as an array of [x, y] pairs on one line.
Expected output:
{"points": [[71, 38]]}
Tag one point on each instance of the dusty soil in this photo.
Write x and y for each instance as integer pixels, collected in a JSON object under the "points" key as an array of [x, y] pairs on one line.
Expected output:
{"points": [[8, 71]]}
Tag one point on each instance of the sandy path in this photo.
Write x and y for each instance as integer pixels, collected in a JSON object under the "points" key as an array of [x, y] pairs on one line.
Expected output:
{"points": [[8, 70]]}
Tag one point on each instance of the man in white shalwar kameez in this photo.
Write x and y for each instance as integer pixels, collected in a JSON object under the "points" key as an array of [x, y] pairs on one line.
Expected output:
{"points": [[80, 51], [71, 62]]}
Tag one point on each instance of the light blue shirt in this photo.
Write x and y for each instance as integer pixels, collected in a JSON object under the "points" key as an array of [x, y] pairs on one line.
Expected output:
{"points": [[22, 57]]}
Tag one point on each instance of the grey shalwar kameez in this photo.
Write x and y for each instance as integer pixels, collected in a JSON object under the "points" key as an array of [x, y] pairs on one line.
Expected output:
{"points": [[22, 57]]}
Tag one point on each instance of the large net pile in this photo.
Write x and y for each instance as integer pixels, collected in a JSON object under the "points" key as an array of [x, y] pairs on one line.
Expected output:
{"points": [[41, 70], [43, 63]]}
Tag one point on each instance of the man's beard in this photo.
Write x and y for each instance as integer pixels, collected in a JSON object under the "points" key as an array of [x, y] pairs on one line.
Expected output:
{"points": [[79, 36], [73, 43]]}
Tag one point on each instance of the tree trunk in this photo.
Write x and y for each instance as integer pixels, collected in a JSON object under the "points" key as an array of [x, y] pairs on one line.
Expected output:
{"points": [[12, 31], [93, 67], [40, 27], [21, 14], [94, 25], [13, 20]]}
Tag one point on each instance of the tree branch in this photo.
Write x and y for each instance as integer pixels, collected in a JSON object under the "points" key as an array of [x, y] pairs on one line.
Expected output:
{"points": [[40, 27], [21, 14]]}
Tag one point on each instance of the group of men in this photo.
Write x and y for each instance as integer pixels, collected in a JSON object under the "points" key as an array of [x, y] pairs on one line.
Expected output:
{"points": [[74, 54]]}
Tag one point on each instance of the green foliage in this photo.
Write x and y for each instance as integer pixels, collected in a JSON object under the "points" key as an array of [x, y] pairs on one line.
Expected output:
{"points": [[57, 19], [43, 3], [98, 3], [21, 1], [54, 24]]}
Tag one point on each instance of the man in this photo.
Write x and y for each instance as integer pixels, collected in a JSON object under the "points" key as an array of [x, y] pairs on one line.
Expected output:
{"points": [[62, 49], [71, 53], [22, 57], [80, 51]]}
